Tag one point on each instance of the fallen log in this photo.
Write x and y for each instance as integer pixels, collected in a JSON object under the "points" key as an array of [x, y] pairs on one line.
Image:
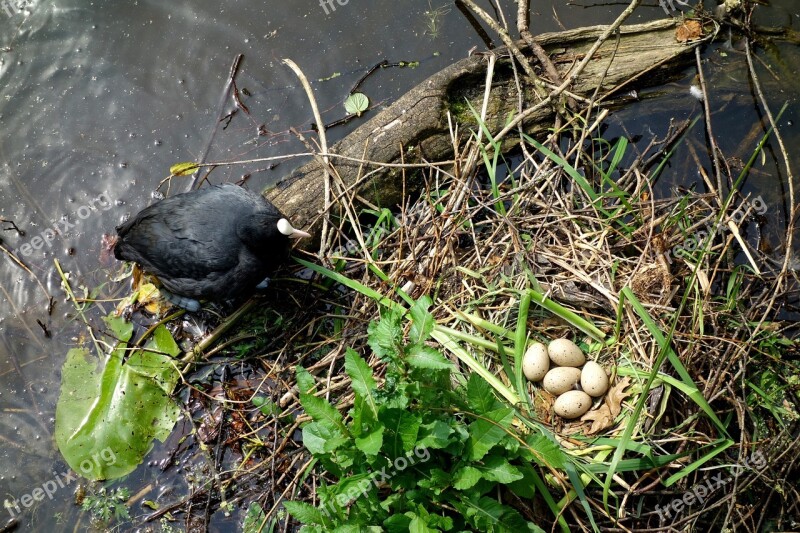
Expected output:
{"points": [[415, 127]]}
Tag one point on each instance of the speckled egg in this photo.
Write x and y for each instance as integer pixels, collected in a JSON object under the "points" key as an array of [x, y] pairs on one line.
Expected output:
{"points": [[564, 352], [594, 380], [536, 362], [572, 404], [561, 379]]}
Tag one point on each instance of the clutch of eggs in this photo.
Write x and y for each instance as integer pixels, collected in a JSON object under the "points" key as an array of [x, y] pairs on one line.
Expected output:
{"points": [[574, 386]]}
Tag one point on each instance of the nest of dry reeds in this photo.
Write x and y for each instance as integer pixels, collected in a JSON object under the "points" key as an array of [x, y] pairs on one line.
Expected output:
{"points": [[684, 290]]}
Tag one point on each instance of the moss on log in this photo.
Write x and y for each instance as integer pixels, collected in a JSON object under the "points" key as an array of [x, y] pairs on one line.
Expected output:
{"points": [[416, 125]]}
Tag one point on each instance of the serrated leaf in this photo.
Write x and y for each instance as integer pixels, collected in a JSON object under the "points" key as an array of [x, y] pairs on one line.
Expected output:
{"points": [[479, 395], [497, 468], [305, 381], [546, 452], [362, 380], [356, 103], [183, 169], [426, 357], [322, 412], [487, 431], [421, 320], [385, 336], [305, 513]]}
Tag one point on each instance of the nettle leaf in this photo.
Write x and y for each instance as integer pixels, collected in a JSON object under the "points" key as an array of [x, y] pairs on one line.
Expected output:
{"points": [[402, 428], [426, 357], [487, 431], [547, 452], [108, 413], [362, 379], [422, 321], [385, 337], [479, 395], [305, 513], [497, 468], [322, 412], [356, 103]]}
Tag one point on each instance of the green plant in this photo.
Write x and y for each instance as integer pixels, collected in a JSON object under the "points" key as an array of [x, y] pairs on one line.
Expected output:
{"points": [[418, 453], [107, 505]]}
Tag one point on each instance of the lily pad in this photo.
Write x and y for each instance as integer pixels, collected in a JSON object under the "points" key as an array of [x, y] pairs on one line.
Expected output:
{"points": [[110, 409]]}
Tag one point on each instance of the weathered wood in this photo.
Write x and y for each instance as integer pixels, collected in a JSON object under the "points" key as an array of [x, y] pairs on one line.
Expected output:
{"points": [[416, 124]]}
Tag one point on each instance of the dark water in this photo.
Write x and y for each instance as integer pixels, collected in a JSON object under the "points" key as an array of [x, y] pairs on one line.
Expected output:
{"points": [[98, 99]]}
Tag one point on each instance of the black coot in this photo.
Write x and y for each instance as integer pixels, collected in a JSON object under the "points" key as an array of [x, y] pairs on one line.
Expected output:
{"points": [[214, 243]]}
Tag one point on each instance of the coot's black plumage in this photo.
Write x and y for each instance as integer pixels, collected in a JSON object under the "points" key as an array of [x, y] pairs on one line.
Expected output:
{"points": [[214, 243]]}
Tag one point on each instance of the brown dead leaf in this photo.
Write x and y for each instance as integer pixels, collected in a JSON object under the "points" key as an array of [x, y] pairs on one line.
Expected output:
{"points": [[616, 394], [601, 419], [689, 30]]}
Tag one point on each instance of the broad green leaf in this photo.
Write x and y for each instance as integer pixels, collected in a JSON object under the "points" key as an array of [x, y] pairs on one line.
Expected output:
{"points": [[183, 169], [487, 431], [266, 406], [418, 525], [422, 321], [253, 519], [120, 328], [466, 477], [320, 438], [426, 357], [497, 468], [305, 381], [163, 342], [356, 103], [435, 435], [362, 380], [371, 443], [402, 428], [108, 413]]}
